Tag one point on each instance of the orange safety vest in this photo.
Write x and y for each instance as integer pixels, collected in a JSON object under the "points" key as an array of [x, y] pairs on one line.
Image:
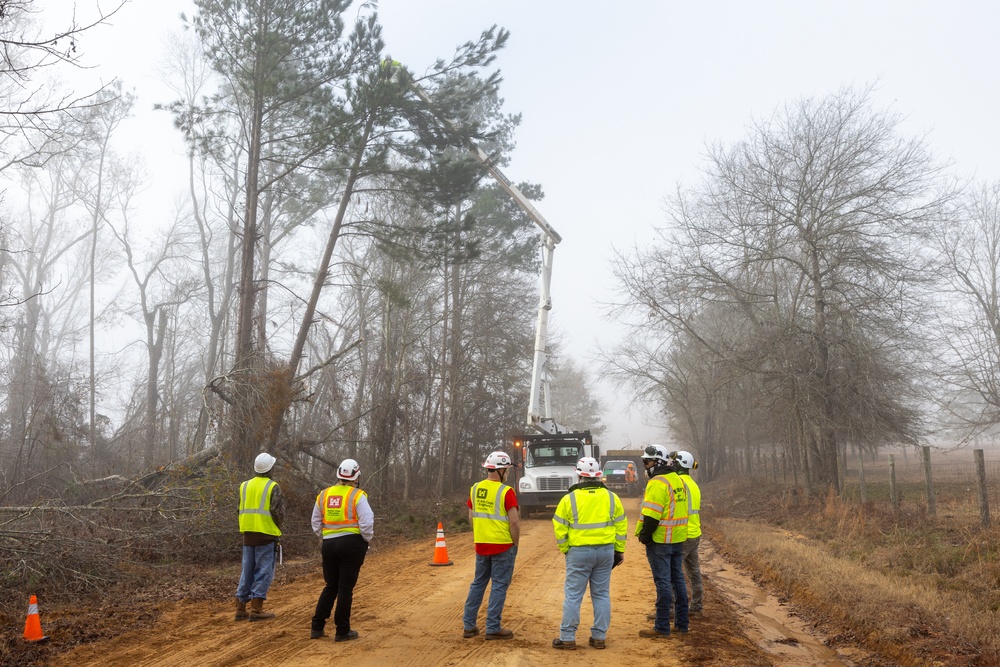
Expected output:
{"points": [[339, 505]]}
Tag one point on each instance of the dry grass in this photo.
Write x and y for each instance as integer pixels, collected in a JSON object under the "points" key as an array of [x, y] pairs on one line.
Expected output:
{"points": [[916, 589]]}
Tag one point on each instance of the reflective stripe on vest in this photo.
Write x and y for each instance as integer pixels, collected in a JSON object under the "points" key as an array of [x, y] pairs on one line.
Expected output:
{"points": [[597, 530], [255, 506], [339, 506], [490, 523]]}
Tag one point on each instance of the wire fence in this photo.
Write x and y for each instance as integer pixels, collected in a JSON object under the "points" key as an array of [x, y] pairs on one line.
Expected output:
{"points": [[966, 480]]}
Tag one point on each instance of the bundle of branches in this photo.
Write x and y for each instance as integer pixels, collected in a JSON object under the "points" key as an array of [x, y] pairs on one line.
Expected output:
{"points": [[112, 531], [88, 542]]}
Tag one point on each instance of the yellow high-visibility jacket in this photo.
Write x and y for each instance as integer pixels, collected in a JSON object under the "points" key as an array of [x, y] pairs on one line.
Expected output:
{"points": [[666, 501], [590, 514], [694, 506]]}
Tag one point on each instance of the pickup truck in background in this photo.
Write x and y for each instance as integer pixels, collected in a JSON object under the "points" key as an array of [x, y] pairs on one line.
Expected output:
{"points": [[617, 477]]}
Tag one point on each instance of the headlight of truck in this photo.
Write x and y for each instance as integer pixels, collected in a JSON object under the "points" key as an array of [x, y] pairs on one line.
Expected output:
{"points": [[525, 484]]}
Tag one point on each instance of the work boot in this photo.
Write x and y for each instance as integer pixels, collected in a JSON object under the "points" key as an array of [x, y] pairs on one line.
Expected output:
{"points": [[257, 612], [654, 634], [566, 646], [316, 633], [500, 634], [241, 611], [597, 643], [351, 634], [469, 633]]}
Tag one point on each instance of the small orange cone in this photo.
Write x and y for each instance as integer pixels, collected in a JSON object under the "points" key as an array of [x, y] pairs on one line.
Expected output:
{"points": [[33, 626], [440, 548]]}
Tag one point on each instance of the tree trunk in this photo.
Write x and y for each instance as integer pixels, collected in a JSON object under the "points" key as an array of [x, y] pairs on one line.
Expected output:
{"points": [[322, 273]]}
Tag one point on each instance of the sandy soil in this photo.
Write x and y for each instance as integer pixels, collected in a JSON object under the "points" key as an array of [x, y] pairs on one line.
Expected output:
{"points": [[409, 613]]}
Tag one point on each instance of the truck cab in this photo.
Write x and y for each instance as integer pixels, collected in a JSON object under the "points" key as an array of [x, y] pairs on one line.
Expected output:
{"points": [[618, 477], [546, 467], [622, 476]]}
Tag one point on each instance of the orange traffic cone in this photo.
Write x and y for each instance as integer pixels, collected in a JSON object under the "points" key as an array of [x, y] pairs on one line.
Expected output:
{"points": [[33, 626], [440, 549]]}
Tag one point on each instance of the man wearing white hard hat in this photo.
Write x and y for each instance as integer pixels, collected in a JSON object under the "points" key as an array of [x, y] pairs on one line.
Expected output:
{"points": [[590, 527], [496, 531], [261, 512]]}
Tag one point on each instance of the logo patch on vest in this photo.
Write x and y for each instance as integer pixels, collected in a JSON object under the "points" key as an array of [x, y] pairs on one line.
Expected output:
{"points": [[482, 493], [334, 502]]}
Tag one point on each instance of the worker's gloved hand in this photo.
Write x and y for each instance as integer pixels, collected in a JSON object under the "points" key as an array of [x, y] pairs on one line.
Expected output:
{"points": [[619, 557], [649, 526]]}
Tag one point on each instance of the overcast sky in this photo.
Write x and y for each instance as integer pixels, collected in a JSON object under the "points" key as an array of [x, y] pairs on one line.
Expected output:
{"points": [[618, 104]]}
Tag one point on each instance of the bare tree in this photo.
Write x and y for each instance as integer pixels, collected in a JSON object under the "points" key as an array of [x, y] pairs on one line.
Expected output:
{"points": [[970, 325], [214, 166], [162, 289], [102, 178], [811, 230], [31, 110]]}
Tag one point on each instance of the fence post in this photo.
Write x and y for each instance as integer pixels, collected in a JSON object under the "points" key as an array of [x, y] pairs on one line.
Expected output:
{"points": [[925, 452], [861, 478], [984, 502], [893, 493]]}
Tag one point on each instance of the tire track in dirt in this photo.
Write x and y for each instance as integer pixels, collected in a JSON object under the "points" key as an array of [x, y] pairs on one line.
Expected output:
{"points": [[409, 613], [770, 623]]}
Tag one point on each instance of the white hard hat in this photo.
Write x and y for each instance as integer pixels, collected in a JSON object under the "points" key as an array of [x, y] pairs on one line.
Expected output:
{"points": [[263, 463], [498, 461], [656, 453], [685, 459], [349, 470], [588, 467]]}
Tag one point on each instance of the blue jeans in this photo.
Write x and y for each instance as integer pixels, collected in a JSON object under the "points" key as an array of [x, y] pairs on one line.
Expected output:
{"points": [[499, 569], [587, 564], [257, 573], [665, 560]]}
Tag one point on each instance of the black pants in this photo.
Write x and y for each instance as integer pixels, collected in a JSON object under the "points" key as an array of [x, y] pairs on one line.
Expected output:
{"points": [[342, 561]]}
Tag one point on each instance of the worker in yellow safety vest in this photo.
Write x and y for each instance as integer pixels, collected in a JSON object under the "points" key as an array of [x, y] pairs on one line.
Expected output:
{"points": [[663, 530], [591, 528], [692, 568], [261, 511], [345, 521], [496, 530]]}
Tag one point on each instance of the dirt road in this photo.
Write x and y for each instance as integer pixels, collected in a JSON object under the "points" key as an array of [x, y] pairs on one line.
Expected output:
{"points": [[409, 613]]}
